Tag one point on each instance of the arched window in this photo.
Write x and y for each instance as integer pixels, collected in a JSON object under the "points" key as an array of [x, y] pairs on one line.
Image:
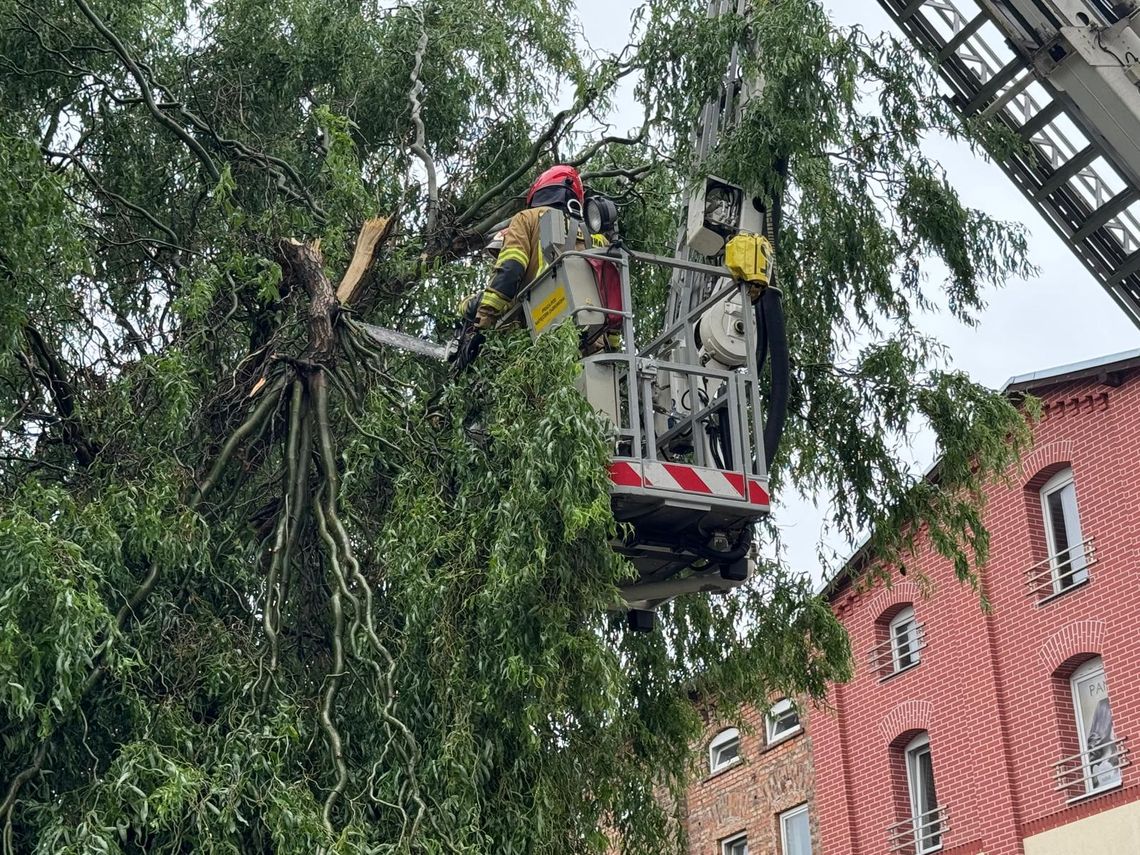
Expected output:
{"points": [[1097, 767], [1068, 562], [903, 632], [900, 638], [724, 750], [925, 813]]}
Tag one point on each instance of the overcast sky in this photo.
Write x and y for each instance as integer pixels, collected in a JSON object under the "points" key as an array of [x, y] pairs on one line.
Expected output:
{"points": [[1061, 316]]}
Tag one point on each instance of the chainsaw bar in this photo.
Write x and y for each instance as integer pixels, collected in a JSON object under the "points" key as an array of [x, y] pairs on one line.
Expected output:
{"points": [[403, 341]]}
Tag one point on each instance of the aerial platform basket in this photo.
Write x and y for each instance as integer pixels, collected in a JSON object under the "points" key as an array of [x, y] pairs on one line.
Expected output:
{"points": [[688, 476]]}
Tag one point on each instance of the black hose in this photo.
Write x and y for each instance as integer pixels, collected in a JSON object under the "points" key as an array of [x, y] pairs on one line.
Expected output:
{"points": [[772, 335], [771, 311]]}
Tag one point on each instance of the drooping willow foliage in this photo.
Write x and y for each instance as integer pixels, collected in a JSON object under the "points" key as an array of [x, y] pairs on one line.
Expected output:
{"points": [[266, 586]]}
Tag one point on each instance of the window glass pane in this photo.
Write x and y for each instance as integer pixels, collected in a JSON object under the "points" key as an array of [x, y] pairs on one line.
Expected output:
{"points": [[924, 799], [727, 753], [1057, 525], [782, 719], [724, 749], [1094, 723], [1063, 526], [1073, 536], [926, 771], [904, 639], [736, 846], [903, 647], [796, 832]]}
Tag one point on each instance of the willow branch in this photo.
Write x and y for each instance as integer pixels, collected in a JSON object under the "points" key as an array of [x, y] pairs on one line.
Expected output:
{"points": [[544, 139], [62, 394], [591, 150], [419, 147], [148, 97], [336, 673], [9, 803], [115, 197], [271, 613], [255, 420], [339, 544]]}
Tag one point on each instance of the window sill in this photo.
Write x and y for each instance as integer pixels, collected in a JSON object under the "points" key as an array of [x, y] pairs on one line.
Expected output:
{"points": [[1092, 794], [1058, 594], [784, 737], [727, 767], [894, 674]]}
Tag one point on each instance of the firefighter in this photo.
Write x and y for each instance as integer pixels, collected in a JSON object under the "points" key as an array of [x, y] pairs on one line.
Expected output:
{"points": [[520, 260]]}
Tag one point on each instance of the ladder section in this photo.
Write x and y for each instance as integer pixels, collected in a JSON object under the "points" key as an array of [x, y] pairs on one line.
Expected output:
{"points": [[717, 115], [1055, 72]]}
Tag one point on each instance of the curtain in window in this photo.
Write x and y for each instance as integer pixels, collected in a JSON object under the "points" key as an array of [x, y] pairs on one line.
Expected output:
{"points": [[797, 834]]}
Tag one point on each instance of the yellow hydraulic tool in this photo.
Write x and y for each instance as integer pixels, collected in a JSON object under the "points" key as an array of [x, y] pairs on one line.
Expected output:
{"points": [[750, 258]]}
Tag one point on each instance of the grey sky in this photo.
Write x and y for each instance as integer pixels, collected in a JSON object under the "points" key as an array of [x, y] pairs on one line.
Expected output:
{"points": [[1061, 316]]}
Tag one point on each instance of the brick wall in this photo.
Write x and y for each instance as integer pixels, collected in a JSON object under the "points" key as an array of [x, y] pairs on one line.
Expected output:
{"points": [[749, 796], [992, 688]]}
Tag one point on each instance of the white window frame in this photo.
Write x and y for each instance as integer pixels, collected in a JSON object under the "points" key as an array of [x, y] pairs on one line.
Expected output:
{"points": [[915, 749], [727, 847], [727, 736], [1090, 670], [904, 617], [1060, 483], [788, 815], [776, 715]]}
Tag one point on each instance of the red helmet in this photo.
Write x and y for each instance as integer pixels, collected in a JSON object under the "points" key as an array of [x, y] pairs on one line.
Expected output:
{"points": [[559, 176]]}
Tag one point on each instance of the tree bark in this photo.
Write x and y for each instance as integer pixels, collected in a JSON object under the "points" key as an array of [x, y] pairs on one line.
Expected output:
{"points": [[304, 264]]}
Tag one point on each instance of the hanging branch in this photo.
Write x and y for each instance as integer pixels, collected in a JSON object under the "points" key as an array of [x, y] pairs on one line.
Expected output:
{"points": [[300, 388], [419, 147], [147, 96], [49, 371]]}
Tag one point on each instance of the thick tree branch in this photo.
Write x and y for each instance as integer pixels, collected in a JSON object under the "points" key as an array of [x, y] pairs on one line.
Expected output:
{"points": [[372, 236], [62, 393], [303, 263]]}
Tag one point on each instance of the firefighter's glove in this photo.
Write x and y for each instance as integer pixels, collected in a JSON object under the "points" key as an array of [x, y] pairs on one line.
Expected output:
{"points": [[486, 316]]}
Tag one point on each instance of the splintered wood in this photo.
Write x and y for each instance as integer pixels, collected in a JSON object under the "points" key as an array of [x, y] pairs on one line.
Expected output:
{"points": [[372, 235]]}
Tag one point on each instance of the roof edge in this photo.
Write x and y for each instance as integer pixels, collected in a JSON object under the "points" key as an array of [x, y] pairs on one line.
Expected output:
{"points": [[1097, 367], [1122, 361]]}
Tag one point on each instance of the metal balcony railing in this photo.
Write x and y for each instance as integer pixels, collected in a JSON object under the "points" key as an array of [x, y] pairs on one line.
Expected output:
{"points": [[1058, 573], [919, 834], [1092, 770], [898, 652]]}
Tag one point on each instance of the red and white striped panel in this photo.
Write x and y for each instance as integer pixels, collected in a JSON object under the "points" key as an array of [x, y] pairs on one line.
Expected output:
{"points": [[682, 478]]}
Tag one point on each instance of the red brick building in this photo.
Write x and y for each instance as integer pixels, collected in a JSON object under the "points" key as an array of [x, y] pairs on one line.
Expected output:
{"points": [[754, 792], [966, 732]]}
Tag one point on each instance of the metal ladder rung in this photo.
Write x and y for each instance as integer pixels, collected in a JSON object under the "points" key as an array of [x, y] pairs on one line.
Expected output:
{"points": [[1130, 266], [907, 12], [961, 36], [1005, 74], [1106, 212], [1066, 171], [1039, 121]]}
